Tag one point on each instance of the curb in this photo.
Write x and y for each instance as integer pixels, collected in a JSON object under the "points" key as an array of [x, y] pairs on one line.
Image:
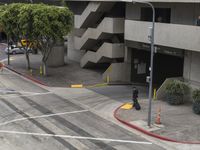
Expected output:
{"points": [[26, 76], [147, 132]]}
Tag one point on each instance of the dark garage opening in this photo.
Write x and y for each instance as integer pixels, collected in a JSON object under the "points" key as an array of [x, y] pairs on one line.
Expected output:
{"points": [[165, 66]]}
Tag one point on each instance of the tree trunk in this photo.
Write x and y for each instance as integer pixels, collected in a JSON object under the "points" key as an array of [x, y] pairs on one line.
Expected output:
{"points": [[8, 52], [44, 69], [28, 61]]}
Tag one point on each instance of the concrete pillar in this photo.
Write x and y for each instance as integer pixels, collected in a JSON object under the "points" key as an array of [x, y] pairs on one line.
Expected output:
{"points": [[127, 57], [72, 53], [56, 57], [187, 65], [192, 69]]}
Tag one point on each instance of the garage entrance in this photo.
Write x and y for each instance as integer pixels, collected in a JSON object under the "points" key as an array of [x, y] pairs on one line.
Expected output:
{"points": [[165, 66]]}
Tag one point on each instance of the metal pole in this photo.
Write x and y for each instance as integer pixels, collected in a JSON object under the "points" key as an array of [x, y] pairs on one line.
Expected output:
{"points": [[8, 50], [151, 65], [151, 61]]}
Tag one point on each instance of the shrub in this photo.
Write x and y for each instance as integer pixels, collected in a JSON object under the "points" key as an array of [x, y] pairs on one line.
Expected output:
{"points": [[196, 101], [176, 90], [196, 95]]}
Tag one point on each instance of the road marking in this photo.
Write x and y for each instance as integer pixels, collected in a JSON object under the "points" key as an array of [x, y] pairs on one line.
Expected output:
{"points": [[22, 95], [6, 59], [42, 116], [75, 137]]}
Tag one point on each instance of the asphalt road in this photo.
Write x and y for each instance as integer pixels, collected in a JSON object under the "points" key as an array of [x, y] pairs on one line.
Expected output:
{"points": [[121, 93], [33, 118]]}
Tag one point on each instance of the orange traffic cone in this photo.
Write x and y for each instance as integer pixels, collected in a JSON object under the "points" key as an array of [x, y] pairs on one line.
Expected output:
{"points": [[157, 121]]}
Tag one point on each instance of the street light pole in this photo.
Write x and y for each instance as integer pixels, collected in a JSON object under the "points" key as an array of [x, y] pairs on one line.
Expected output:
{"points": [[152, 57]]}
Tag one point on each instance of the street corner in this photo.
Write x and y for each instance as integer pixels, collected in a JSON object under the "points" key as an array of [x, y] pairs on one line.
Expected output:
{"points": [[166, 123]]}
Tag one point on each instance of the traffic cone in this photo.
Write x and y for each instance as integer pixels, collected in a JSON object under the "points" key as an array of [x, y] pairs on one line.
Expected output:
{"points": [[157, 121]]}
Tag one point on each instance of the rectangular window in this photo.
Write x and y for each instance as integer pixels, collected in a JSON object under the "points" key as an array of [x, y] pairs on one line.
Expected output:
{"points": [[161, 14]]}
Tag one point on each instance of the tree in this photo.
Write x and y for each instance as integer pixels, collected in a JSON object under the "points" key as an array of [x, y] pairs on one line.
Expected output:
{"points": [[50, 24], [41, 24], [10, 21]]}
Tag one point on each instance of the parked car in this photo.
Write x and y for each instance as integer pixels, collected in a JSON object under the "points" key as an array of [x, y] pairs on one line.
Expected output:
{"points": [[13, 49]]}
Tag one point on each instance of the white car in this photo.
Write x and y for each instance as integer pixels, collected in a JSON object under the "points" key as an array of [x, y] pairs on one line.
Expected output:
{"points": [[13, 49]]}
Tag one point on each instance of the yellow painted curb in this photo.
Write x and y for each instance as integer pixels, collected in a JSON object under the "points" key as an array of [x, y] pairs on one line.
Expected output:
{"points": [[97, 85], [77, 86], [127, 106]]}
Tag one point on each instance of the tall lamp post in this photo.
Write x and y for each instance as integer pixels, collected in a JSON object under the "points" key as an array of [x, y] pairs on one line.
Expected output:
{"points": [[152, 56]]}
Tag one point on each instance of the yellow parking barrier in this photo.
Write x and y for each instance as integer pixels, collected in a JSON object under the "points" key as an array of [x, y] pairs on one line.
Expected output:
{"points": [[108, 79], [154, 94], [41, 72], [77, 86]]}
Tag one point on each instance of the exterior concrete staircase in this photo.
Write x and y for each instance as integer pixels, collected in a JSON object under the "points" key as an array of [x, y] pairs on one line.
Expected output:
{"points": [[106, 52], [92, 13], [106, 28]]}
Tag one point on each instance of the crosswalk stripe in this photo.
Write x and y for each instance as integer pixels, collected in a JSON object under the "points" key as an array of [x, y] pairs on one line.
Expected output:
{"points": [[75, 137], [42, 116]]}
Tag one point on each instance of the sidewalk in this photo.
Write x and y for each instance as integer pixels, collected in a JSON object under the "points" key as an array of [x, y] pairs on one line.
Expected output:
{"points": [[71, 73], [179, 123]]}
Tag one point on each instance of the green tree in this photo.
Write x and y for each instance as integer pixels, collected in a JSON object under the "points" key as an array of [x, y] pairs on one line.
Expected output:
{"points": [[9, 22], [41, 24], [50, 24], [10, 18]]}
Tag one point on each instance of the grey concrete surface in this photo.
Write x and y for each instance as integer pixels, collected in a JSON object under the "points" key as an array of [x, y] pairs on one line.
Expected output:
{"points": [[105, 28], [103, 103], [121, 93], [180, 123], [107, 50], [191, 68], [64, 76], [18, 105], [56, 57], [169, 35], [118, 72]]}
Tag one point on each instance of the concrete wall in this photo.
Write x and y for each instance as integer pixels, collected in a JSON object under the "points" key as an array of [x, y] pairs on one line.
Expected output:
{"points": [[118, 72], [192, 68], [169, 35], [74, 54], [56, 57]]}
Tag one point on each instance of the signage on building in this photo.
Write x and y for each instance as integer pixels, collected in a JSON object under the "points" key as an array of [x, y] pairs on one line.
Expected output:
{"points": [[164, 50]]}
